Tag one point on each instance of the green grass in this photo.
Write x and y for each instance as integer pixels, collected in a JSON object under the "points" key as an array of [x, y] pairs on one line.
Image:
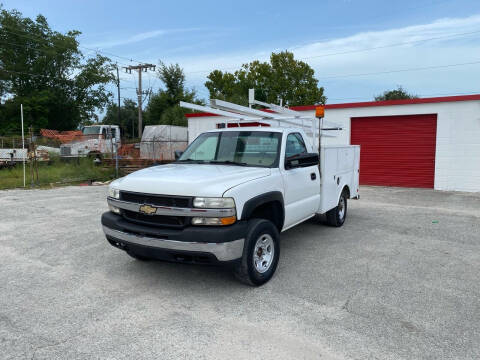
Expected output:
{"points": [[57, 172]]}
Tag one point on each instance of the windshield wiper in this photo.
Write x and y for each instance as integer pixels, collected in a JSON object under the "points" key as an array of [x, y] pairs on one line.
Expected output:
{"points": [[227, 162], [191, 160]]}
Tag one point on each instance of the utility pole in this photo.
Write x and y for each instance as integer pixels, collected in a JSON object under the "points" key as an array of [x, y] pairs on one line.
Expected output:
{"points": [[30, 135], [118, 90], [119, 124], [140, 68], [24, 154]]}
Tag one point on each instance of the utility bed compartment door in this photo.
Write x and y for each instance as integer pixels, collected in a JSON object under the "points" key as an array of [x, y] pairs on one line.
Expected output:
{"points": [[339, 166], [329, 191]]}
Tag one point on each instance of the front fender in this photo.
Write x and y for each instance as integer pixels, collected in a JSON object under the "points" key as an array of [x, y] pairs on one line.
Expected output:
{"points": [[259, 200], [253, 189]]}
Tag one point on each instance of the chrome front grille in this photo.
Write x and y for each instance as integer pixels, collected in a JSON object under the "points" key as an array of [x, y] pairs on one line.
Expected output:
{"points": [[65, 150], [156, 200]]}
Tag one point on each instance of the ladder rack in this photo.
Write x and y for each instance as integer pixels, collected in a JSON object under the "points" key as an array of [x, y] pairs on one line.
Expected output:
{"points": [[278, 115]]}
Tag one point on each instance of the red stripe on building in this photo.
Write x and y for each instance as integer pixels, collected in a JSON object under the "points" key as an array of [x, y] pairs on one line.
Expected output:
{"points": [[370, 104]]}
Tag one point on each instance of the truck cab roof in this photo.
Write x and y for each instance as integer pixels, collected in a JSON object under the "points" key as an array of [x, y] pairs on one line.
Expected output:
{"points": [[260, 128]]}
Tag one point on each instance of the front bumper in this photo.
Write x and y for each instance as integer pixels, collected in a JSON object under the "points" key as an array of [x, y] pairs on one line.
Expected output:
{"points": [[223, 243]]}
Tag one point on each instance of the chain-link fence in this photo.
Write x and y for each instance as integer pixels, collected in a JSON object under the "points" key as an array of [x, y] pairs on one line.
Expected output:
{"points": [[37, 162], [53, 158]]}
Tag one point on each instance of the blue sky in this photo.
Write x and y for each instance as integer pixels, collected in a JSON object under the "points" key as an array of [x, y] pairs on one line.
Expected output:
{"points": [[357, 48]]}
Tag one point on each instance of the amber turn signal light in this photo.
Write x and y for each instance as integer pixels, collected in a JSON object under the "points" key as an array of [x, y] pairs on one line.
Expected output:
{"points": [[228, 220], [320, 111]]}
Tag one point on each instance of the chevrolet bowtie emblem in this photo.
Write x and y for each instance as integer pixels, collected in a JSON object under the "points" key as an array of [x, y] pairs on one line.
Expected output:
{"points": [[147, 209]]}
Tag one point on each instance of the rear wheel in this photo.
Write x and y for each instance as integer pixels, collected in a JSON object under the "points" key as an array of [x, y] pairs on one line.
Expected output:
{"points": [[261, 253], [336, 217]]}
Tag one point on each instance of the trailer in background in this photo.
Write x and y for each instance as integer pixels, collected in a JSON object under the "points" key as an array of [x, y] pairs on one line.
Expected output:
{"points": [[159, 142]]}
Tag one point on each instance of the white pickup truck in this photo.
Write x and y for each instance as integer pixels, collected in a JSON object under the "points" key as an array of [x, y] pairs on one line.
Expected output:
{"points": [[229, 196]]}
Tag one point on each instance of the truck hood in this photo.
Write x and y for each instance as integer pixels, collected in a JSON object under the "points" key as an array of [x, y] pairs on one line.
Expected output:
{"points": [[189, 179]]}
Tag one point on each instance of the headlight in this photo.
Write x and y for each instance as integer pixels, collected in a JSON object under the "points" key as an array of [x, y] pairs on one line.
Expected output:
{"points": [[213, 203], [114, 193], [214, 221]]}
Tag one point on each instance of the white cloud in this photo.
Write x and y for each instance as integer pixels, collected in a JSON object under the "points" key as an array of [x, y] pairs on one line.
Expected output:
{"points": [[351, 59], [440, 29], [137, 38]]}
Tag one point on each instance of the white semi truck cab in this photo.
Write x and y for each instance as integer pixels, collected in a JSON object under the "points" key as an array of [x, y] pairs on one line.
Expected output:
{"points": [[95, 140], [228, 197]]}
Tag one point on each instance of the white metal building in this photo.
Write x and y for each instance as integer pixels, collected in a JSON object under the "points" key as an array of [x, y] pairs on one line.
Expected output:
{"points": [[428, 143]]}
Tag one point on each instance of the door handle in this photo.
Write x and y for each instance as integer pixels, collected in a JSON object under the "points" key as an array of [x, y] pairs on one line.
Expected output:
{"points": [[313, 176]]}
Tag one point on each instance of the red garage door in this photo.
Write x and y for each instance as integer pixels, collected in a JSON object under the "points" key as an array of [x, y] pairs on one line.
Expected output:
{"points": [[396, 150]]}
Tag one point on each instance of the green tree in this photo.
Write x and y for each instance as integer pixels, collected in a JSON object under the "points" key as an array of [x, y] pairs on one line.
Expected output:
{"points": [[397, 94], [128, 116], [162, 108], [46, 72], [283, 78]]}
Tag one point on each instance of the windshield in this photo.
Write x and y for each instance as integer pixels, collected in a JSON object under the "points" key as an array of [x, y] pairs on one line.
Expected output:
{"points": [[91, 130], [247, 148]]}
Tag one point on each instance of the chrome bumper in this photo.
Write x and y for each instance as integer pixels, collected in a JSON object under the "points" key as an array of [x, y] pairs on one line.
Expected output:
{"points": [[222, 251]]}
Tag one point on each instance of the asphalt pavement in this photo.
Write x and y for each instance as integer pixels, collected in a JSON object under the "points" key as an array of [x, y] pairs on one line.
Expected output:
{"points": [[400, 280]]}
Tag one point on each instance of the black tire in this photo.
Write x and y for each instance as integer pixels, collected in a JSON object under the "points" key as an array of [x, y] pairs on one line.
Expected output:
{"points": [[95, 154], [336, 217], [246, 271], [137, 256]]}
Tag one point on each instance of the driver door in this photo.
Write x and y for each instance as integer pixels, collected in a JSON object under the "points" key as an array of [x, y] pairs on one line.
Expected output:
{"points": [[302, 184]]}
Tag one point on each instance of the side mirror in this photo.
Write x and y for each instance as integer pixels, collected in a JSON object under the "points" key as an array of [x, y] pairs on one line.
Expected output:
{"points": [[302, 160], [178, 153]]}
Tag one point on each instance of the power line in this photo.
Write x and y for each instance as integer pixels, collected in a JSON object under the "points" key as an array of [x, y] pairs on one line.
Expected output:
{"points": [[110, 54], [433, 67], [133, 60], [400, 70], [38, 39], [361, 50], [391, 45], [50, 46], [30, 74], [230, 68], [30, 48], [305, 58]]}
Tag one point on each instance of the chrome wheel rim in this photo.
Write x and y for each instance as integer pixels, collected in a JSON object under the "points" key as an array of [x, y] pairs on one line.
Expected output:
{"points": [[263, 253], [341, 208]]}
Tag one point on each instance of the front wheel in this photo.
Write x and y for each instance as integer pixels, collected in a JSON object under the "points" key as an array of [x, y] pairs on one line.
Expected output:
{"points": [[261, 253], [336, 217]]}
